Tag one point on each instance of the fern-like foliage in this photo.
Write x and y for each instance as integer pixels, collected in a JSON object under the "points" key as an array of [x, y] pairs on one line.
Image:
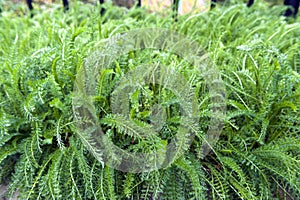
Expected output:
{"points": [[44, 155]]}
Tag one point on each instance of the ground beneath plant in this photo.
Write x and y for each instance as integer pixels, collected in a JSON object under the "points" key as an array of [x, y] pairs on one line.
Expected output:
{"points": [[3, 190]]}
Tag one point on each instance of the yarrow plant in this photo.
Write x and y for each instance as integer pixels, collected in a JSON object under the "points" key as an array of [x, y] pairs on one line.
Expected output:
{"points": [[43, 154], [157, 78]]}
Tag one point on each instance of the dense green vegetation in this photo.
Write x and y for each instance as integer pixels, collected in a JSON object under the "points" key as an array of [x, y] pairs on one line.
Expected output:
{"points": [[258, 153]]}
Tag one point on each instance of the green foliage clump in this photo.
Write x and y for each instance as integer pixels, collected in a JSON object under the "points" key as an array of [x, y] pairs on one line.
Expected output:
{"points": [[256, 157]]}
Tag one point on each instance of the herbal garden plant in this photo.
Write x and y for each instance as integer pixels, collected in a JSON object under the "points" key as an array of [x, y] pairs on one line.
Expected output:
{"points": [[256, 157]]}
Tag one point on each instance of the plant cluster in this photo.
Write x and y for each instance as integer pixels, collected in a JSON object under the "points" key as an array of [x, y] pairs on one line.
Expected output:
{"points": [[256, 157]]}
